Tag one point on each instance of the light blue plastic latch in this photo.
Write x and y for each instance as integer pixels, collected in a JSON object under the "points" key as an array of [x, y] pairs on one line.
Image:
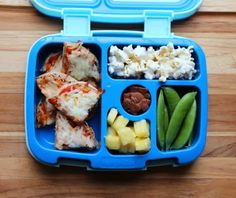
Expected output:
{"points": [[157, 24], [77, 22]]}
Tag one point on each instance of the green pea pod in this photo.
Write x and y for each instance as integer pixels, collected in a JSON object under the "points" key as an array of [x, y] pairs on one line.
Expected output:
{"points": [[178, 116], [172, 98], [161, 120], [190, 141], [187, 128], [166, 119]]}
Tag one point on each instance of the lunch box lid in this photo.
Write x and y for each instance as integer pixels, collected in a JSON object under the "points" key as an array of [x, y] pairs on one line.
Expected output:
{"points": [[155, 14]]}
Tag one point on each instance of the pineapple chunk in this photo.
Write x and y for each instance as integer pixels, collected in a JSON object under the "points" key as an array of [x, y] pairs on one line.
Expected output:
{"points": [[111, 131], [112, 116], [113, 142], [120, 122], [126, 134], [132, 129], [124, 149], [142, 144], [129, 148], [141, 128]]}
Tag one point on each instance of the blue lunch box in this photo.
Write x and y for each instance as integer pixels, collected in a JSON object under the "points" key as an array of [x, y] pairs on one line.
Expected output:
{"points": [[77, 16]]}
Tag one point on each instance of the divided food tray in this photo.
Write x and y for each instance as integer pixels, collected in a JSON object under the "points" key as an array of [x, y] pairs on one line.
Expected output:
{"points": [[40, 141]]}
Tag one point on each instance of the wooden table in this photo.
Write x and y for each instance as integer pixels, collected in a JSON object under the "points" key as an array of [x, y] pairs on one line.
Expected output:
{"points": [[212, 175]]}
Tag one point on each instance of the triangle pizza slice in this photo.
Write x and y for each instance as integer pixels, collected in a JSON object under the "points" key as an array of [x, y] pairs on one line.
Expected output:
{"points": [[77, 101], [73, 136]]}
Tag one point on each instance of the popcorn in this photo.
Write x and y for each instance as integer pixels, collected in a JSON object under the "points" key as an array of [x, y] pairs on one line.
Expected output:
{"points": [[165, 63], [140, 52]]}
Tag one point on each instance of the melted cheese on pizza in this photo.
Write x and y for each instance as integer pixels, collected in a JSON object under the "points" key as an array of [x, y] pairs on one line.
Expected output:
{"points": [[76, 100], [50, 83], [77, 136], [79, 62]]}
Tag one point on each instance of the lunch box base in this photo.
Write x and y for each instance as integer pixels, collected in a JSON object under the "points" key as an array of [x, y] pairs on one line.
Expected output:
{"points": [[41, 141]]}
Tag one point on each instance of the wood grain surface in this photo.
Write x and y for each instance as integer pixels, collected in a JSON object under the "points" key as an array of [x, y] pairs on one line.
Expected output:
{"points": [[212, 175]]}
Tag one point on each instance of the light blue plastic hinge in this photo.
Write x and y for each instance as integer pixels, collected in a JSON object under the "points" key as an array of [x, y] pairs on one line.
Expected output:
{"points": [[157, 24], [77, 22]]}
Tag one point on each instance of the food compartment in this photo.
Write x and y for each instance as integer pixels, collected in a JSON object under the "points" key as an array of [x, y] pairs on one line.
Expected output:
{"points": [[118, 121], [46, 135], [136, 99], [125, 136], [178, 117], [163, 62]]}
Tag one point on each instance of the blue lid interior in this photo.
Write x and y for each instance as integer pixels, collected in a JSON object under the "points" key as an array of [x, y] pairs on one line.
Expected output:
{"points": [[119, 11]]}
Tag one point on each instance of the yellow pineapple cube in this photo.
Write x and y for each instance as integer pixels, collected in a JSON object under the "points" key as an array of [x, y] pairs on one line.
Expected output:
{"points": [[129, 148], [142, 144], [113, 142], [111, 131], [112, 116], [123, 149], [126, 135], [141, 128], [132, 129], [120, 122]]}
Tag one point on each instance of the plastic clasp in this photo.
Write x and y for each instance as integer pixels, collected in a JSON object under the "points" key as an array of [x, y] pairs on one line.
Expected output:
{"points": [[157, 24], [77, 22]]}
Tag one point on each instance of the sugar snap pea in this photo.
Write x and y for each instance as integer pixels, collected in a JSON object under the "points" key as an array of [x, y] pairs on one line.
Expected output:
{"points": [[172, 98], [178, 116], [190, 141], [166, 119], [187, 128], [162, 120]]}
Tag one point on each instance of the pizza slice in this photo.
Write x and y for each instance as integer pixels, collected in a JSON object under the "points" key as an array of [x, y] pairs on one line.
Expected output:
{"points": [[79, 62], [53, 63], [50, 83], [71, 136], [77, 101], [46, 113]]}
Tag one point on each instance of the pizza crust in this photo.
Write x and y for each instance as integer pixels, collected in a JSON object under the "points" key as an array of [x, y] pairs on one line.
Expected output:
{"points": [[46, 113]]}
